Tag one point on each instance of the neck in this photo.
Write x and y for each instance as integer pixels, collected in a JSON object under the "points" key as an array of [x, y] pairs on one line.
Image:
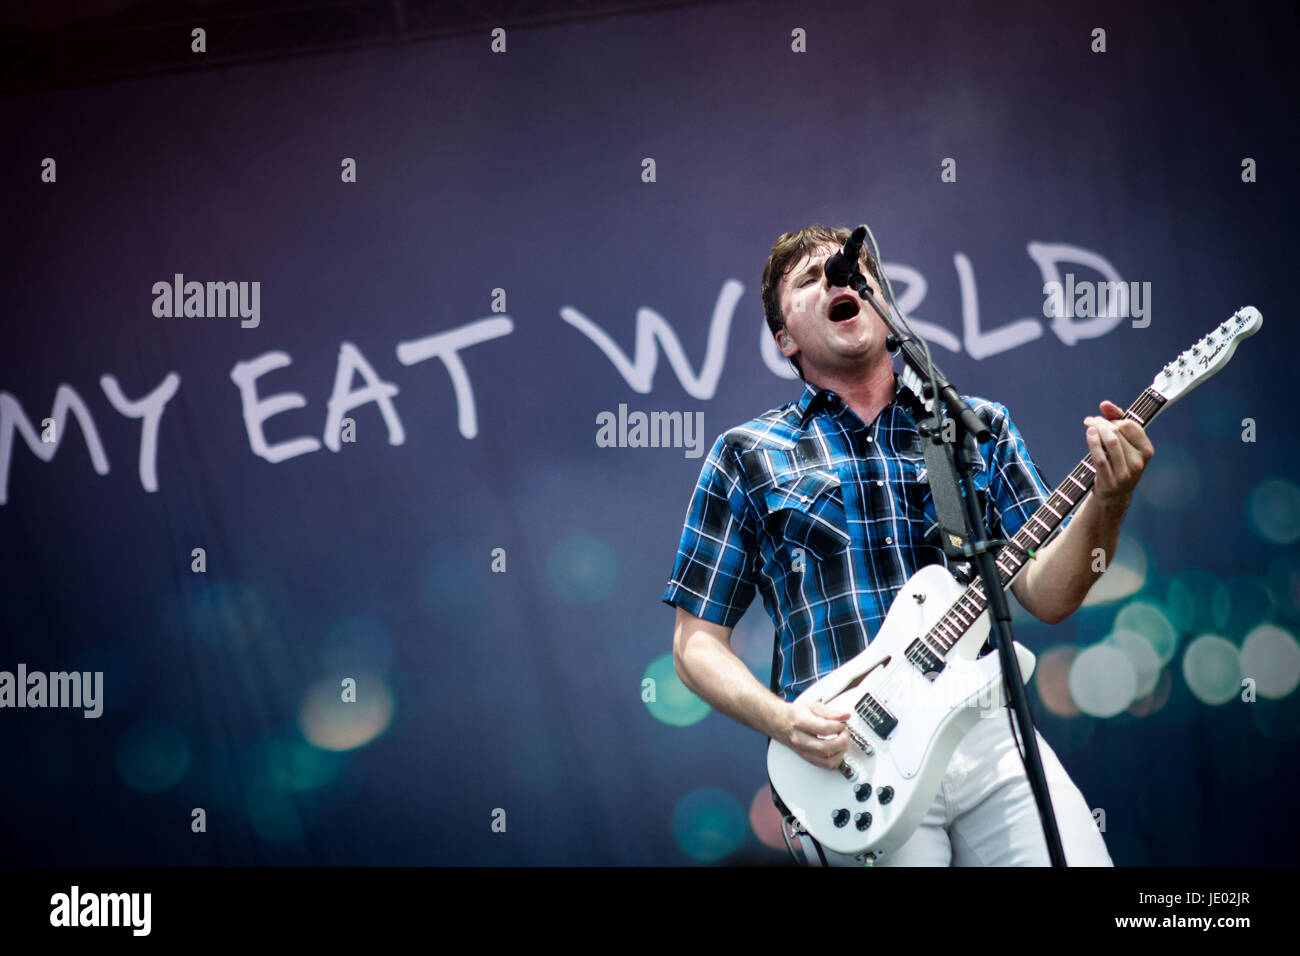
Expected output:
{"points": [[864, 392]]}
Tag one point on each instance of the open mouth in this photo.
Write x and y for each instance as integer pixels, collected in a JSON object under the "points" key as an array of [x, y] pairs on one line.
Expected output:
{"points": [[844, 307]]}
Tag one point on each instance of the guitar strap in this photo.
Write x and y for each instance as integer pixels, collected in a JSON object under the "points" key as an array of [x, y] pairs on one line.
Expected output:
{"points": [[951, 530]]}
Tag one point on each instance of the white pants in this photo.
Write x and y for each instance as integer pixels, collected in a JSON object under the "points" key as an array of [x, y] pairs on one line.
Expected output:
{"points": [[985, 814]]}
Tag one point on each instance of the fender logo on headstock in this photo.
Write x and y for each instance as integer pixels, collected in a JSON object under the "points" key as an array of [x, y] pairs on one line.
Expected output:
{"points": [[1205, 360]]}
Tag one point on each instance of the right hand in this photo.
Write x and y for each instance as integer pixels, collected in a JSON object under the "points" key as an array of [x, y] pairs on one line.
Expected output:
{"points": [[817, 733]]}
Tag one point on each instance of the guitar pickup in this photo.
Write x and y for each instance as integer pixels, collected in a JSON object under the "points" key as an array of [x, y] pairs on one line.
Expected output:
{"points": [[877, 717], [924, 659]]}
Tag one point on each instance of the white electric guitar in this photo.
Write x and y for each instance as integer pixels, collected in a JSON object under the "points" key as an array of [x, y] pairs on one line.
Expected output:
{"points": [[920, 685]]}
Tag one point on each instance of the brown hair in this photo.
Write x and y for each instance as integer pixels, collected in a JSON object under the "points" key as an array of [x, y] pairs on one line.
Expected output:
{"points": [[788, 250]]}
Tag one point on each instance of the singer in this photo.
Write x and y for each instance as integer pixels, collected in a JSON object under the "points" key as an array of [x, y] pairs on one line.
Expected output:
{"points": [[821, 506]]}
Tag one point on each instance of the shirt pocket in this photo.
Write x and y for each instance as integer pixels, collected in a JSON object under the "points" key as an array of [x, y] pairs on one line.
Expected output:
{"points": [[807, 511]]}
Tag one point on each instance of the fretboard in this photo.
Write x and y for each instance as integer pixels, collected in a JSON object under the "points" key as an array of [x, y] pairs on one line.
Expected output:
{"points": [[1012, 557]]}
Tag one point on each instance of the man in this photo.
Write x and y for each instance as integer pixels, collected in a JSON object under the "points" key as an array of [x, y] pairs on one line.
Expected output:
{"points": [[821, 506]]}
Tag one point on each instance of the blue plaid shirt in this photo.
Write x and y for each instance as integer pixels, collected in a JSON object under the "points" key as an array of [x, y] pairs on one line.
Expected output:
{"points": [[827, 518]]}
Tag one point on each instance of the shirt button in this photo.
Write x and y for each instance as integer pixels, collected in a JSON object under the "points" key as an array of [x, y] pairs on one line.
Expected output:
{"points": [[880, 484], [889, 541], [868, 438], [803, 498]]}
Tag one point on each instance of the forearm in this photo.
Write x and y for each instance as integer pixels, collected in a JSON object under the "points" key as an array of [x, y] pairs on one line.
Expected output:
{"points": [[1055, 583], [710, 669]]}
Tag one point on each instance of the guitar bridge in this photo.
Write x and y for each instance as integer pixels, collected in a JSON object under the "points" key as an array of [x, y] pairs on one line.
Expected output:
{"points": [[863, 744]]}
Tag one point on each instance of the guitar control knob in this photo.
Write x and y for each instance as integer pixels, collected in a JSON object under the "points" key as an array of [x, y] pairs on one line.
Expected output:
{"points": [[840, 817], [862, 791], [885, 795], [862, 820]]}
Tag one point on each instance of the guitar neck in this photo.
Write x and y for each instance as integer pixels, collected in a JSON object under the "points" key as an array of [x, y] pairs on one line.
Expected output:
{"points": [[1012, 558]]}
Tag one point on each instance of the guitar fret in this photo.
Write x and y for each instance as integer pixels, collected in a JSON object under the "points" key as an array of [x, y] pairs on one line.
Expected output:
{"points": [[886, 711]]}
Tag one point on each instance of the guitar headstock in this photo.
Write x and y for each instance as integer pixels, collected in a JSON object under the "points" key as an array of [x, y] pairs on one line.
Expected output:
{"points": [[1208, 355]]}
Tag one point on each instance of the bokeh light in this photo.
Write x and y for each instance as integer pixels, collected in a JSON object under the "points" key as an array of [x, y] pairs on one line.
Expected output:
{"points": [[1052, 679], [331, 723], [1274, 511], [1146, 665], [290, 764], [1241, 603], [152, 756], [1154, 701], [674, 703], [1125, 576], [1212, 669], [1192, 597], [1149, 621], [231, 615], [581, 570], [276, 815], [1102, 680], [1284, 584], [1271, 656], [709, 824], [765, 819]]}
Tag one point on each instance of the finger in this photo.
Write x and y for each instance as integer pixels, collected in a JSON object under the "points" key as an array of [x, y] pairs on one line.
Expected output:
{"points": [[822, 710], [1111, 410], [1137, 451], [826, 746], [816, 727], [1104, 481], [1115, 455], [826, 763], [1137, 436], [1134, 441]]}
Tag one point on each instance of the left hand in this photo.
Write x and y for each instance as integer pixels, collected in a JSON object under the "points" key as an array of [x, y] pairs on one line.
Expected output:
{"points": [[1120, 452]]}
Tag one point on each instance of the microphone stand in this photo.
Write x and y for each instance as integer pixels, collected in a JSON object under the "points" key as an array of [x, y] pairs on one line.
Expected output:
{"points": [[978, 548]]}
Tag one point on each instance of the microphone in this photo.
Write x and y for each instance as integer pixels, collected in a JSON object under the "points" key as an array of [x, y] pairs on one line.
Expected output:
{"points": [[843, 265]]}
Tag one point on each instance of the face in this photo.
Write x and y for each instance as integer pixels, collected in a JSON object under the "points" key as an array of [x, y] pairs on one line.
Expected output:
{"points": [[830, 328]]}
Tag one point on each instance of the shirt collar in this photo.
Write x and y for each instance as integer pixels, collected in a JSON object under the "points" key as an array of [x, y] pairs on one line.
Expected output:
{"points": [[815, 400]]}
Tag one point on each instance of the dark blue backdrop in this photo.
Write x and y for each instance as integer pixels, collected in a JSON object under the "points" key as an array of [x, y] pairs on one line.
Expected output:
{"points": [[519, 696]]}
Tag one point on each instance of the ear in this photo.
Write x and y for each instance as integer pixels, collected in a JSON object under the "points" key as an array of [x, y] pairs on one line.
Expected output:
{"points": [[786, 344]]}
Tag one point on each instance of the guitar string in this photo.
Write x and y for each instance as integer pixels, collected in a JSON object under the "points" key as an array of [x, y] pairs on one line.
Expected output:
{"points": [[1142, 411]]}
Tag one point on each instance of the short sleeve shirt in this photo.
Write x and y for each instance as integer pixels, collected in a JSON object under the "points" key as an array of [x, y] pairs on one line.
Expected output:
{"points": [[826, 518]]}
